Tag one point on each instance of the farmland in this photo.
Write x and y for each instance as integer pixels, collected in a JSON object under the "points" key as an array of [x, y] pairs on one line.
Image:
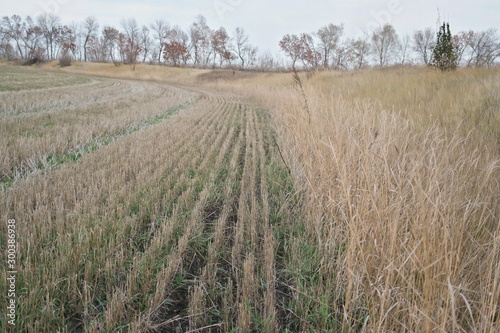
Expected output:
{"points": [[178, 200]]}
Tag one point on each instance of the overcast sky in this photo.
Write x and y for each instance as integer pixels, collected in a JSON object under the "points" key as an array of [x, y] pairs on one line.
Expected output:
{"points": [[267, 21]]}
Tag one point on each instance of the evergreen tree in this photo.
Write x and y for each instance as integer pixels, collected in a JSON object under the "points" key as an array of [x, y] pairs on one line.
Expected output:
{"points": [[445, 57]]}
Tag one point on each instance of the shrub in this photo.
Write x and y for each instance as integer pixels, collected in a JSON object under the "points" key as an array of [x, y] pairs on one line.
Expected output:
{"points": [[36, 57], [445, 57], [65, 60]]}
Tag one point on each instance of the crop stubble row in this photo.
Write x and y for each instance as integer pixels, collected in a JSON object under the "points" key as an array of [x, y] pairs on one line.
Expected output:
{"points": [[43, 122], [166, 229]]}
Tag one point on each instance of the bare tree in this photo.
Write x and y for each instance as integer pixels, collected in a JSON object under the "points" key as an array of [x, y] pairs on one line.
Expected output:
{"points": [[77, 40], [183, 38], [461, 43], [109, 40], [66, 42], [13, 28], [241, 41], [310, 56], [360, 48], [131, 29], [201, 36], [6, 49], [485, 48], [301, 48], [196, 43], [221, 44], [245, 52], [329, 37], [176, 50], [95, 50], [129, 43], [67, 45], [5, 46], [90, 28], [403, 47], [252, 56], [292, 47], [32, 37], [48, 24], [129, 50], [342, 55], [145, 42], [160, 29], [384, 44], [266, 61], [423, 43]]}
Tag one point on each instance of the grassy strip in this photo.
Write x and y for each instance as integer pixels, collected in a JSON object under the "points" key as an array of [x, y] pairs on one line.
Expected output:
{"points": [[52, 161]]}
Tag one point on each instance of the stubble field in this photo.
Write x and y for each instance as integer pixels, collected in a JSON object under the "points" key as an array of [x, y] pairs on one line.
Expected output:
{"points": [[178, 200]]}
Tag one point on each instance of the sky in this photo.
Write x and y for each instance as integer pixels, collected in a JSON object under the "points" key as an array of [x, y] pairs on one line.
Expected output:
{"points": [[266, 22]]}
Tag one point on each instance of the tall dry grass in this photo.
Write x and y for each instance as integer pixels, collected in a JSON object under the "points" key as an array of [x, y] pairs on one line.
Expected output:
{"points": [[400, 177]]}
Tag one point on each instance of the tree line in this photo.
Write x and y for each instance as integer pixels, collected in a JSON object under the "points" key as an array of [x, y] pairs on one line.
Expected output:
{"points": [[328, 48], [46, 38]]}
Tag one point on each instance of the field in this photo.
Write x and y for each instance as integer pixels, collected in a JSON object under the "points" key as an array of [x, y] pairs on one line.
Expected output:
{"points": [[186, 200]]}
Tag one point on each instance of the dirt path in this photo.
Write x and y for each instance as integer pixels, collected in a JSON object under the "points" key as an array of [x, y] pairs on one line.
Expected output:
{"points": [[165, 229]]}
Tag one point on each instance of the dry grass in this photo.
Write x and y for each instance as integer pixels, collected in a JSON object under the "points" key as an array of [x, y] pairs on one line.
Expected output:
{"points": [[16, 78], [142, 72], [163, 229], [223, 75], [385, 217], [400, 172], [40, 124]]}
